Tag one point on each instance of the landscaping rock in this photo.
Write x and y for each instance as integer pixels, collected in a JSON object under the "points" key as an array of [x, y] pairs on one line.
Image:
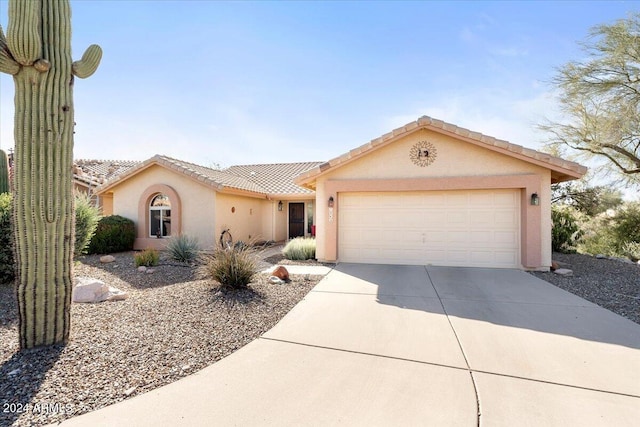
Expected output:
{"points": [[276, 280], [107, 258], [150, 270], [625, 260], [90, 290], [142, 269], [281, 273], [601, 256], [554, 266], [564, 272]]}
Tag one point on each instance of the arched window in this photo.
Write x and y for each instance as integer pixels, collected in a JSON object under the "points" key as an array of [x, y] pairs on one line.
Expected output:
{"points": [[160, 216]]}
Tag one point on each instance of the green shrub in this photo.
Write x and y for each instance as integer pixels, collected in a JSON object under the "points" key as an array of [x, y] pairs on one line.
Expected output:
{"points": [[113, 234], [631, 250], [300, 248], [598, 237], [616, 235], [7, 265], [626, 225], [148, 258], [233, 267], [183, 248], [87, 217], [565, 233]]}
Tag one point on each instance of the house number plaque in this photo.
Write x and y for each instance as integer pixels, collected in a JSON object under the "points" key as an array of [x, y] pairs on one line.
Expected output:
{"points": [[423, 153]]}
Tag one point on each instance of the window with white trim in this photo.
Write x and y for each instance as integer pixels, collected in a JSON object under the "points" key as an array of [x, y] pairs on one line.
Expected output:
{"points": [[160, 216]]}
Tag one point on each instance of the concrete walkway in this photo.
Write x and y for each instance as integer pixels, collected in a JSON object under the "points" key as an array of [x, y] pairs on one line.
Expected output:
{"points": [[408, 345]]}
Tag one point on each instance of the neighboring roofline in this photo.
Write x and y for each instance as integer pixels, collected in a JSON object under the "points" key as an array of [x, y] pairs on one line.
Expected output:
{"points": [[565, 170]]}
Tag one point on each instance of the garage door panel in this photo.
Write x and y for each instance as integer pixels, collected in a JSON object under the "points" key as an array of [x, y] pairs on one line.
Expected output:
{"points": [[479, 237], [504, 199], [432, 218], [459, 257], [482, 257], [506, 237], [457, 199], [474, 228], [456, 237], [481, 199], [481, 218], [436, 236], [506, 218], [506, 258], [457, 218]]}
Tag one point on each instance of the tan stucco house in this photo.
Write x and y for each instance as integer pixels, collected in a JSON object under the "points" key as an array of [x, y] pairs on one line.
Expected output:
{"points": [[426, 193]]}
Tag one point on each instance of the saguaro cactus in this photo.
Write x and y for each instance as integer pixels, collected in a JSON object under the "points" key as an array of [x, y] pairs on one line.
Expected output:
{"points": [[4, 173], [37, 52]]}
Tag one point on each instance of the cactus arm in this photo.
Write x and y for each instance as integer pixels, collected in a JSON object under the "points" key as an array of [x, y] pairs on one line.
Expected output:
{"points": [[88, 65], [4, 173], [24, 36], [7, 64]]}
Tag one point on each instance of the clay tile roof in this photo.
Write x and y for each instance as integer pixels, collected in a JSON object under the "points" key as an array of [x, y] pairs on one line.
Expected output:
{"points": [[267, 179], [95, 172], [217, 178], [562, 170], [275, 178]]}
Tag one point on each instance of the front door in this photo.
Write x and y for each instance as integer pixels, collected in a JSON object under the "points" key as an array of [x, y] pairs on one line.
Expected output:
{"points": [[296, 220]]}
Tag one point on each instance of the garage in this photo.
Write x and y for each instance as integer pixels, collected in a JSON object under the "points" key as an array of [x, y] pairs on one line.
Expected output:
{"points": [[431, 192], [475, 228]]}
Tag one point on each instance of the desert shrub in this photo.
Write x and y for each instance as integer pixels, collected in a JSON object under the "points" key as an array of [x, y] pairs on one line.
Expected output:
{"points": [[566, 232], [617, 234], [233, 267], [183, 248], [148, 258], [87, 217], [300, 248], [113, 234], [598, 237], [7, 265], [631, 250], [626, 225]]}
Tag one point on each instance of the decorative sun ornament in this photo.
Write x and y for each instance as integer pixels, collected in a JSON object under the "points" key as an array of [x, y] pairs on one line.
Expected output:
{"points": [[423, 153]]}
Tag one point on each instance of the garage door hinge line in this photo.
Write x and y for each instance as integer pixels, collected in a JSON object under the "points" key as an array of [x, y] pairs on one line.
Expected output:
{"points": [[473, 381]]}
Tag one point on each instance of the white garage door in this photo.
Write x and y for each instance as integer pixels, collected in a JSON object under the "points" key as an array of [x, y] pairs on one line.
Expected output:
{"points": [[479, 228]]}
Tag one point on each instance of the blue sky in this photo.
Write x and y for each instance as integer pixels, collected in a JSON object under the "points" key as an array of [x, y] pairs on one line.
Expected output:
{"points": [[259, 82]]}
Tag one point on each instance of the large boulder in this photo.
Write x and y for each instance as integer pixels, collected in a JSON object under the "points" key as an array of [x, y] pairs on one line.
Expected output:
{"points": [[281, 273], [88, 289]]}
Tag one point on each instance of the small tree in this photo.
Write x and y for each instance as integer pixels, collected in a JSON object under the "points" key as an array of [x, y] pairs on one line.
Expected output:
{"points": [[601, 98], [588, 200]]}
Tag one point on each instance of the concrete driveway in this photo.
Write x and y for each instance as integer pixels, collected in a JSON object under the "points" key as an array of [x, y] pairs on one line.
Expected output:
{"points": [[411, 345]]}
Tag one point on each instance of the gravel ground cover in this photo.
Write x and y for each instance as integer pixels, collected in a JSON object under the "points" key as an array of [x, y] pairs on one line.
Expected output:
{"points": [[173, 325], [170, 326], [609, 283]]}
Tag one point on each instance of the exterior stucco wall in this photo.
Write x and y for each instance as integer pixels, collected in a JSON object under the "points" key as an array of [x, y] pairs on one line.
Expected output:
{"points": [[458, 165], [197, 205], [245, 217], [280, 220], [107, 204]]}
